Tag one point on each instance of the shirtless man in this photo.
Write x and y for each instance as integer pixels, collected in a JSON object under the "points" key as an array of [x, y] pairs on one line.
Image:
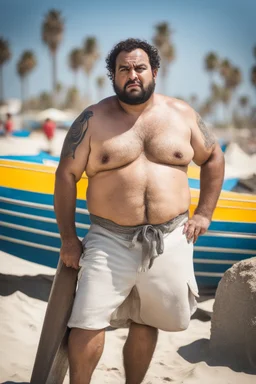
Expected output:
{"points": [[136, 266]]}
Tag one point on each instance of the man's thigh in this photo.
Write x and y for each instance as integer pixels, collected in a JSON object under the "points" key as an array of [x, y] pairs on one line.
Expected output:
{"points": [[106, 276], [167, 291]]}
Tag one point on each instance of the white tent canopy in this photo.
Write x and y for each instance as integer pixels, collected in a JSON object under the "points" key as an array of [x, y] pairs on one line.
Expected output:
{"points": [[55, 114], [238, 163]]}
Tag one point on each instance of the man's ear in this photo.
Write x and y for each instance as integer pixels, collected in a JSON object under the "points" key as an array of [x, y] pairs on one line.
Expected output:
{"points": [[154, 73]]}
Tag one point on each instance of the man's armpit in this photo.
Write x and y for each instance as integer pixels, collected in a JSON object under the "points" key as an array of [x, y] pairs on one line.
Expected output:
{"points": [[209, 139], [76, 134]]}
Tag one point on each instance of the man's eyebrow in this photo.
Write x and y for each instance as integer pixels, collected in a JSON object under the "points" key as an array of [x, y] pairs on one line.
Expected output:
{"points": [[128, 65], [123, 66]]}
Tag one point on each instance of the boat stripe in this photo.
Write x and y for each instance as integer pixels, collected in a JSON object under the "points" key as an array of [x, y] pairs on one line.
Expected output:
{"points": [[214, 261], [36, 205], [39, 218], [225, 250], [209, 274], [50, 171], [29, 229], [236, 235], [29, 244]]}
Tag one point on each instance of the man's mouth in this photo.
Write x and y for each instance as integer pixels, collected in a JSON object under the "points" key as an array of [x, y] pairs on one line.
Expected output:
{"points": [[133, 85]]}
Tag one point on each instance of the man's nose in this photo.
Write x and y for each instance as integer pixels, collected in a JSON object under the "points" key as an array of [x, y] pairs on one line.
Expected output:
{"points": [[133, 74]]}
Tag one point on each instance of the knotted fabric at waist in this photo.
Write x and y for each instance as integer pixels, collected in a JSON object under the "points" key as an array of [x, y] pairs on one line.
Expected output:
{"points": [[150, 235]]}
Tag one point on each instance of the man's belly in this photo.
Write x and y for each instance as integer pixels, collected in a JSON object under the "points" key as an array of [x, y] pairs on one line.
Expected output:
{"points": [[139, 193]]}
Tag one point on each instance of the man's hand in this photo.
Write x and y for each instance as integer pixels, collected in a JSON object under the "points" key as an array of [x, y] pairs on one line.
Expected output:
{"points": [[71, 252], [196, 226]]}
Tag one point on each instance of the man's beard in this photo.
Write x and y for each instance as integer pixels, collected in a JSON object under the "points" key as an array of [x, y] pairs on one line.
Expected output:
{"points": [[134, 98]]}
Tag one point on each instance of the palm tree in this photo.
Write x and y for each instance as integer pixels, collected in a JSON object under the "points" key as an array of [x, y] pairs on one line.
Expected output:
{"points": [[100, 81], [206, 108], [75, 62], [234, 78], [225, 98], [90, 57], [211, 64], [244, 104], [25, 65], [5, 55], [45, 100], [72, 98], [225, 68], [52, 33], [162, 40], [232, 81], [254, 51], [253, 75]]}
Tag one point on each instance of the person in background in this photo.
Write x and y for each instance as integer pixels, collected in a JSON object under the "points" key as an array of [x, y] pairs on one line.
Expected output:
{"points": [[49, 128], [8, 126]]}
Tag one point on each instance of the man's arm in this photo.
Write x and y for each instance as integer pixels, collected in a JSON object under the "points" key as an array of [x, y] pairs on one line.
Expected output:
{"points": [[208, 155], [73, 161]]}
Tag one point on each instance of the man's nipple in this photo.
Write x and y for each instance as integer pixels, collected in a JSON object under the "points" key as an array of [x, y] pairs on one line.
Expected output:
{"points": [[178, 154], [105, 159]]}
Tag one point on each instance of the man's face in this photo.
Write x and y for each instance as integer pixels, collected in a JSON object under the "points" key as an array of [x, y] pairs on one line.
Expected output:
{"points": [[134, 81]]}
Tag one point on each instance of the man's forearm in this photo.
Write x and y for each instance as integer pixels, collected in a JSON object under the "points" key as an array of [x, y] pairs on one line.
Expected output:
{"points": [[65, 205], [211, 179]]}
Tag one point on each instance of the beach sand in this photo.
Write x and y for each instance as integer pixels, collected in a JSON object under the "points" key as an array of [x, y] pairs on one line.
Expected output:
{"points": [[32, 145], [181, 357]]}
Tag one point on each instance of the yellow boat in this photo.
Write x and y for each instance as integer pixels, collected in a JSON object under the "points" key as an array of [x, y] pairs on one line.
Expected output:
{"points": [[28, 227]]}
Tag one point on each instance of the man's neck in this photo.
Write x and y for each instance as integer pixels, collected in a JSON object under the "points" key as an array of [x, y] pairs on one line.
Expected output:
{"points": [[137, 109]]}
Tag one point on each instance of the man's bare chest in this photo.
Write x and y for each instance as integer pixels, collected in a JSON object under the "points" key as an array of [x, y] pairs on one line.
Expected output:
{"points": [[160, 141]]}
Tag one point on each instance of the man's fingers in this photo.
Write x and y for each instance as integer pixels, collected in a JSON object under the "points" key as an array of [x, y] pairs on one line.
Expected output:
{"points": [[185, 227], [203, 230], [190, 231], [70, 263], [75, 266], [196, 233]]}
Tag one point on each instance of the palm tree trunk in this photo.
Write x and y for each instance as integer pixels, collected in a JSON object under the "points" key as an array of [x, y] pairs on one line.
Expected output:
{"points": [[27, 88], [22, 90], [75, 79], [87, 87], [163, 78], [54, 75], [1, 84]]}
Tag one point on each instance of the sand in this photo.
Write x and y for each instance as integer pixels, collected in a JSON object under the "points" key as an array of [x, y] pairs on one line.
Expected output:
{"points": [[181, 357], [31, 145]]}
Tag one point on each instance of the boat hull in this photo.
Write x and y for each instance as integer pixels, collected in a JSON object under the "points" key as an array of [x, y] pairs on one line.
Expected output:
{"points": [[28, 227]]}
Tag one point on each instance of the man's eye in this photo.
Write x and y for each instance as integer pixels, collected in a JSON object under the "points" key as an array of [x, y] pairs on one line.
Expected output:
{"points": [[124, 69], [140, 69]]}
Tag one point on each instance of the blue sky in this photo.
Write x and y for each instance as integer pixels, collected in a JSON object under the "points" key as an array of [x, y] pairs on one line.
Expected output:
{"points": [[227, 27]]}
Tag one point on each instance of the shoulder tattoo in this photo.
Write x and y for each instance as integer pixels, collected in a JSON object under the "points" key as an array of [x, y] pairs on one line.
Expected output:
{"points": [[76, 134], [208, 136]]}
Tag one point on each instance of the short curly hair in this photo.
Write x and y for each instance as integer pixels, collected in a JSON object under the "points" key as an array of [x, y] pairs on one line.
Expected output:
{"points": [[128, 46]]}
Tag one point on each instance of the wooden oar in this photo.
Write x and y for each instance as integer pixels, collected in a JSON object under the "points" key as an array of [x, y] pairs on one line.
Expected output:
{"points": [[51, 361]]}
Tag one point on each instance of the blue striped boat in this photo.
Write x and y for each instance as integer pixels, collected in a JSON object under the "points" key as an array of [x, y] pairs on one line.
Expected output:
{"points": [[28, 227]]}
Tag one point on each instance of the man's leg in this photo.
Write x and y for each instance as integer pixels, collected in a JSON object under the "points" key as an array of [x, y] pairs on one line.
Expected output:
{"points": [[138, 352], [85, 348]]}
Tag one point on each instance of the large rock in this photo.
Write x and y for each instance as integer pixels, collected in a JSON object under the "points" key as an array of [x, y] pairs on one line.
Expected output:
{"points": [[233, 328]]}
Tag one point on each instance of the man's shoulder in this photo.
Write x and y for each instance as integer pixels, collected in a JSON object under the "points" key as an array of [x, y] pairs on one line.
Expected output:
{"points": [[179, 105], [103, 107]]}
